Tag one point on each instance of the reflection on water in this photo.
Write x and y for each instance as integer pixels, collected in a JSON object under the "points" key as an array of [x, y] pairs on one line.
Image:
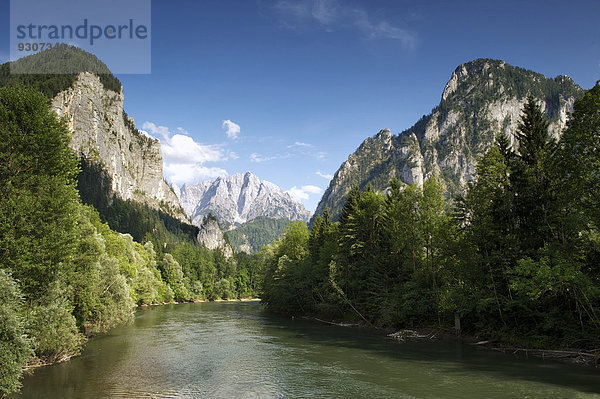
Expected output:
{"points": [[237, 350]]}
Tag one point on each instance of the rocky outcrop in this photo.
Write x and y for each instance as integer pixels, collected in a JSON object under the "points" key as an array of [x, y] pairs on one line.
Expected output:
{"points": [[212, 237], [103, 133], [482, 98], [237, 199]]}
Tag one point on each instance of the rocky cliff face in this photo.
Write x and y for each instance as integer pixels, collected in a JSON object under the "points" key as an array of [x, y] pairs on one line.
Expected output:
{"points": [[212, 237], [103, 133], [237, 199], [481, 98]]}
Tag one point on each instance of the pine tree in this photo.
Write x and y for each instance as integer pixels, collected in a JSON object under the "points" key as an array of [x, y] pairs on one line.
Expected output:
{"points": [[504, 145], [532, 179], [532, 133]]}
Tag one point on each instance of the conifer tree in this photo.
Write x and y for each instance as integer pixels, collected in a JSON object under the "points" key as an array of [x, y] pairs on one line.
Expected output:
{"points": [[532, 178]]}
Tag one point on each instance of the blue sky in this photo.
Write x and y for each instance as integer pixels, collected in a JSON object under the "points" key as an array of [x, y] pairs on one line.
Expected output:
{"points": [[288, 89]]}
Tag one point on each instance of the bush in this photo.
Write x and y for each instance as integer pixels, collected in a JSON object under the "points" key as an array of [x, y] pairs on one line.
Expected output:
{"points": [[15, 347]]}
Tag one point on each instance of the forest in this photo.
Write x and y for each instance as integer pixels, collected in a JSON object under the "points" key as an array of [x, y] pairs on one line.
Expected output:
{"points": [[70, 270], [516, 257]]}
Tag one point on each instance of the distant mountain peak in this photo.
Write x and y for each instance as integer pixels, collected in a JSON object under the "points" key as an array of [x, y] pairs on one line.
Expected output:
{"points": [[237, 199]]}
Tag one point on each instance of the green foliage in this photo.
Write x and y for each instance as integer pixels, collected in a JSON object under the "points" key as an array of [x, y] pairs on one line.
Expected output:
{"points": [[224, 289], [286, 284], [52, 325], [56, 70], [517, 258], [380, 264], [532, 178], [99, 278], [77, 276], [15, 347], [526, 248], [173, 275], [579, 156], [250, 272], [257, 233], [38, 199]]}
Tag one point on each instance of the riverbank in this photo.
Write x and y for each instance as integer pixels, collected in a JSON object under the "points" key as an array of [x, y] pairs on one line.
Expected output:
{"points": [[200, 301], [582, 357], [573, 356]]}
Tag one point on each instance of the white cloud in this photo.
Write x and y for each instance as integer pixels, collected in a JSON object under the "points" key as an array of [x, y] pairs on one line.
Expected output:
{"points": [[303, 193], [231, 129], [183, 149], [183, 157], [161, 131], [190, 173], [332, 15], [297, 193], [312, 189], [300, 144], [257, 158], [324, 175]]}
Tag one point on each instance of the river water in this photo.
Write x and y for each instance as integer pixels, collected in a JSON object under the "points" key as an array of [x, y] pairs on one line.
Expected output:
{"points": [[238, 350]]}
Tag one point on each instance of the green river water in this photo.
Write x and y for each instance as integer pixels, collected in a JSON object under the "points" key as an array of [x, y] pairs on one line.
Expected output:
{"points": [[238, 350]]}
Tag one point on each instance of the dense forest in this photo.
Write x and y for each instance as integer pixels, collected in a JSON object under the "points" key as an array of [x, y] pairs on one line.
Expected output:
{"points": [[67, 271], [516, 257], [256, 234]]}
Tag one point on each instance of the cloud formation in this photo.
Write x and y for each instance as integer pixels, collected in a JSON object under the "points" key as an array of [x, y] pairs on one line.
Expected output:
{"points": [[303, 193], [331, 15], [300, 144], [184, 158], [258, 158], [231, 129], [324, 175]]}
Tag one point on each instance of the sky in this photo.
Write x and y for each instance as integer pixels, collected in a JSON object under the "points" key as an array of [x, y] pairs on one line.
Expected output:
{"points": [[288, 89]]}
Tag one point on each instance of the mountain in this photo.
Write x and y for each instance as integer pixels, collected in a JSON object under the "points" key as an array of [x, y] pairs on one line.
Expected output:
{"points": [[237, 199], [481, 98], [251, 236], [91, 100], [212, 237]]}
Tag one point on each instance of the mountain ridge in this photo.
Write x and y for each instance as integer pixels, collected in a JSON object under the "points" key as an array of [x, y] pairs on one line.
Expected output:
{"points": [[482, 97], [237, 199]]}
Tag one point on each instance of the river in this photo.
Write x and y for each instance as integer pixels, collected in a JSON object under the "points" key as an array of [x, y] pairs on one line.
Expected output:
{"points": [[238, 350]]}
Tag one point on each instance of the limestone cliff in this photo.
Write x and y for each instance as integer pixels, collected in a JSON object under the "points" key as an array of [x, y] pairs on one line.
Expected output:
{"points": [[103, 133], [481, 98], [212, 237]]}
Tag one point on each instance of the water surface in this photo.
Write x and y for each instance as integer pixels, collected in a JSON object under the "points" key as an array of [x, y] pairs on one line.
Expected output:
{"points": [[237, 350]]}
